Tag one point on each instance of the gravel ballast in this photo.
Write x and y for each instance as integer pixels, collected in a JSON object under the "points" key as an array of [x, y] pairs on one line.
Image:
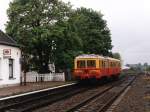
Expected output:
{"points": [[137, 98]]}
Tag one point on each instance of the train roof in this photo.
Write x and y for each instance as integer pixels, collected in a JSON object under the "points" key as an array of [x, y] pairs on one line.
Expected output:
{"points": [[113, 59], [95, 56], [89, 56]]}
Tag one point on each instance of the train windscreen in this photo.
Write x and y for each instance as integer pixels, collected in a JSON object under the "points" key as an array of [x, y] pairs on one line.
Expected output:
{"points": [[91, 63], [81, 64], [86, 63]]}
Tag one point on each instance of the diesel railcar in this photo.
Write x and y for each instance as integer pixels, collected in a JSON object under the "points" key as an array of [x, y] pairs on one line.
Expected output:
{"points": [[89, 66]]}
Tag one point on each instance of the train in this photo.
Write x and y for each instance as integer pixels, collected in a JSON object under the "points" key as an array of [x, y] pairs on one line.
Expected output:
{"points": [[92, 66]]}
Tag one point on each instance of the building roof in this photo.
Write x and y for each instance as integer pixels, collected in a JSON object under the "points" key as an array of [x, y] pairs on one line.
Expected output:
{"points": [[6, 40]]}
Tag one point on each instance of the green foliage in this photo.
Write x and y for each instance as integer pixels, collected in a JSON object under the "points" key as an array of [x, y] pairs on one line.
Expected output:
{"points": [[148, 68], [51, 31], [68, 46], [117, 56], [31, 23], [92, 30]]}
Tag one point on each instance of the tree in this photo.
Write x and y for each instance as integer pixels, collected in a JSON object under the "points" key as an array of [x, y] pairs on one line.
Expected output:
{"points": [[116, 56], [68, 46], [84, 32], [53, 32], [31, 23], [145, 64], [148, 69], [93, 31]]}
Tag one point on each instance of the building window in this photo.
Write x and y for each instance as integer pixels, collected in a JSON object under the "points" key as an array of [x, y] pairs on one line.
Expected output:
{"points": [[11, 74]]}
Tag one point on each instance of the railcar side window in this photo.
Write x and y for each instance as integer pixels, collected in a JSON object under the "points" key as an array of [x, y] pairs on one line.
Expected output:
{"points": [[91, 63], [81, 64], [103, 64], [100, 64], [119, 64]]}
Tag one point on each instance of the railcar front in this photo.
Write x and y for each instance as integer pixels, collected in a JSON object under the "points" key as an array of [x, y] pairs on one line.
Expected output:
{"points": [[87, 67]]}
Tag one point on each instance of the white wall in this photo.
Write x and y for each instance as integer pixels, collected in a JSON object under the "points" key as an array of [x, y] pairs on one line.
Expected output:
{"points": [[0, 69], [4, 66]]}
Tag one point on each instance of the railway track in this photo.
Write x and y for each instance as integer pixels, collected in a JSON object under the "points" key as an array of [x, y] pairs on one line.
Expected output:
{"points": [[64, 105], [29, 102], [41, 99], [102, 100]]}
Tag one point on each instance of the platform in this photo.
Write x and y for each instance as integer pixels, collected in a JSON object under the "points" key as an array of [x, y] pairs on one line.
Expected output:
{"points": [[29, 87]]}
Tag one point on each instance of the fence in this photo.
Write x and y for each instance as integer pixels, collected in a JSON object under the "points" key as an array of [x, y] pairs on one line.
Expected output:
{"points": [[35, 77]]}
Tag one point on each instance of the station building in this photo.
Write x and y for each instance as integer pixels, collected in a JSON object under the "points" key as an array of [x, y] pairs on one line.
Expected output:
{"points": [[10, 66]]}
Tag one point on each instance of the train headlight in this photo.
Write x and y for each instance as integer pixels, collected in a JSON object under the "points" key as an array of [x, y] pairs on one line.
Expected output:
{"points": [[93, 72], [78, 72]]}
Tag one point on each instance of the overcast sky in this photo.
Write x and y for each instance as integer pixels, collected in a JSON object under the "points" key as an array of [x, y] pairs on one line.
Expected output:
{"points": [[128, 20]]}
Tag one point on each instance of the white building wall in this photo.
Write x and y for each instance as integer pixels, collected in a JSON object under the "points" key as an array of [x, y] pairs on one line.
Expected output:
{"points": [[4, 66], [0, 69]]}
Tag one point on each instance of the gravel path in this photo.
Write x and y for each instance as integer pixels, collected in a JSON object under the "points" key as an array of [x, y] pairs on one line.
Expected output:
{"points": [[137, 98], [147, 93]]}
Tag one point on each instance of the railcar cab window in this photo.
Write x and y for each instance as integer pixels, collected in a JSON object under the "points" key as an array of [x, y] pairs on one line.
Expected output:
{"points": [[91, 63], [81, 64]]}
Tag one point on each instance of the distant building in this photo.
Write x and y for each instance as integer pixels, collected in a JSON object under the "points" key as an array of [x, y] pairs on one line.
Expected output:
{"points": [[137, 67], [10, 67], [132, 65], [125, 68]]}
